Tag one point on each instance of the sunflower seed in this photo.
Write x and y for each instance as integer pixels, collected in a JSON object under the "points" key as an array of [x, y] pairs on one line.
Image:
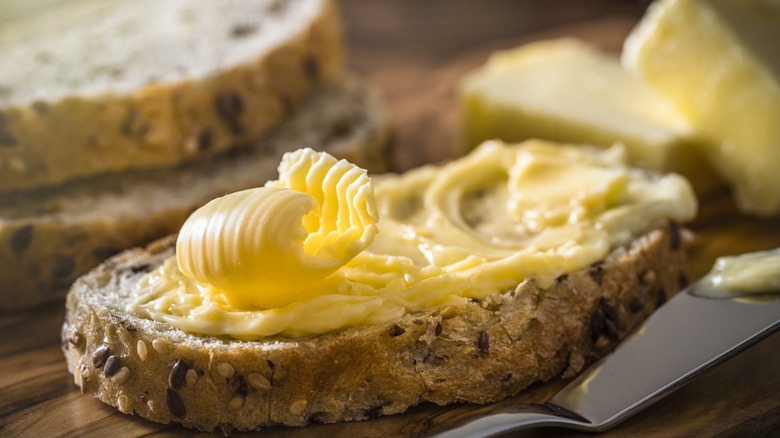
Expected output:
{"points": [[175, 404], [112, 364], [177, 374], [100, 356]]}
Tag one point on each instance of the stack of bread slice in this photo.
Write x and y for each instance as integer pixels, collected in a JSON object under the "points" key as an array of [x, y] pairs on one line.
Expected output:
{"points": [[118, 119]]}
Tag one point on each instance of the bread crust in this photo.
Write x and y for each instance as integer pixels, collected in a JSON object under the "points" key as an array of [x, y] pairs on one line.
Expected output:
{"points": [[53, 236], [162, 124], [478, 352]]}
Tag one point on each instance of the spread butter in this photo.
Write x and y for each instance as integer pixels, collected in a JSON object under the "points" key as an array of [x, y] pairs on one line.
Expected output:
{"points": [[476, 226], [748, 274]]}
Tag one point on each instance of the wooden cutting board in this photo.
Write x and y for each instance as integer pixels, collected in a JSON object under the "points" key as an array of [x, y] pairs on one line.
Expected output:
{"points": [[740, 398]]}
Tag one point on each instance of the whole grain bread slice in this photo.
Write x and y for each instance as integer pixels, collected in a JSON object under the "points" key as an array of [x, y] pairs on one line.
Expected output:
{"points": [[478, 352], [49, 237], [92, 86]]}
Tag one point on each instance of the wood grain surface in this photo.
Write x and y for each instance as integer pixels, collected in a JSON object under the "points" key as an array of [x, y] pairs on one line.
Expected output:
{"points": [[414, 54]]}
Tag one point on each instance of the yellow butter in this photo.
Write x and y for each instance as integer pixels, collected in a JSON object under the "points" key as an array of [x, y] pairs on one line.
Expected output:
{"points": [[719, 62], [747, 274], [471, 228], [568, 91], [262, 247]]}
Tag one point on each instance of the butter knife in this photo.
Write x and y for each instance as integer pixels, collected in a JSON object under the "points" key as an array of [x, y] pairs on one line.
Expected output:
{"points": [[684, 338]]}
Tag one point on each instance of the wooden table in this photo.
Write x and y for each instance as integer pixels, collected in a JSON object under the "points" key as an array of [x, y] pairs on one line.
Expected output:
{"points": [[414, 53]]}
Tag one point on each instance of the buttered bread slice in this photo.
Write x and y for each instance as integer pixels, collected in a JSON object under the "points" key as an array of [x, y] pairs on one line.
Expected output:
{"points": [[90, 87], [329, 295]]}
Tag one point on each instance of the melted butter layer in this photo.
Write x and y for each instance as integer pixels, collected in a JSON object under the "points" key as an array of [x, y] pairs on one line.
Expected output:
{"points": [[473, 227]]}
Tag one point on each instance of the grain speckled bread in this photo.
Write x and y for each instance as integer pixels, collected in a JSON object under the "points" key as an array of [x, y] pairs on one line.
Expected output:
{"points": [[140, 84], [478, 352], [54, 235]]}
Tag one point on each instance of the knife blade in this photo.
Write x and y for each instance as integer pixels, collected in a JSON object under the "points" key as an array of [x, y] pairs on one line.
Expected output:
{"points": [[681, 340]]}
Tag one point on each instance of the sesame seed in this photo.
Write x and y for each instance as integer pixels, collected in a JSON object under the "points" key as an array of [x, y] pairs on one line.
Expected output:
{"points": [[122, 403], [225, 370], [141, 349], [235, 403], [121, 375], [191, 377], [160, 346], [258, 382], [297, 407]]}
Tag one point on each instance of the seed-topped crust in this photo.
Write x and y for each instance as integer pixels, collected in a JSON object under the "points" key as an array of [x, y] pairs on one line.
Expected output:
{"points": [[482, 351]]}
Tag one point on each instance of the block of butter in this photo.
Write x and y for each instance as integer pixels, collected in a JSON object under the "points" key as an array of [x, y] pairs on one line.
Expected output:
{"points": [[719, 62], [568, 91]]}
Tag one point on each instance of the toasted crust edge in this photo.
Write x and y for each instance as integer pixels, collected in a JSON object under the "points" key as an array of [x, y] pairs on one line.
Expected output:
{"points": [[478, 352]]}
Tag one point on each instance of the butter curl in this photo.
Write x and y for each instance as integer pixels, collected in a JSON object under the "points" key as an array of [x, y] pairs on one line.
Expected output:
{"points": [[262, 247]]}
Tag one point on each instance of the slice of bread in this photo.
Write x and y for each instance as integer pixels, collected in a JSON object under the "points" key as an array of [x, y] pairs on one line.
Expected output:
{"points": [[52, 236], [479, 352], [138, 84]]}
